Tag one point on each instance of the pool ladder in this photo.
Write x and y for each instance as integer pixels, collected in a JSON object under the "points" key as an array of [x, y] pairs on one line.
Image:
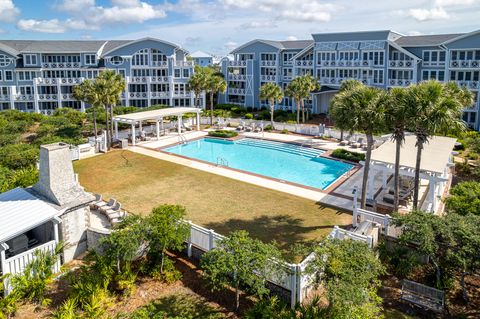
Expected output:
{"points": [[222, 161], [182, 139]]}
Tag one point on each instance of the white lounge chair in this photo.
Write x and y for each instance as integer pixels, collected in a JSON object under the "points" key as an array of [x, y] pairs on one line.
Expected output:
{"points": [[358, 143]]}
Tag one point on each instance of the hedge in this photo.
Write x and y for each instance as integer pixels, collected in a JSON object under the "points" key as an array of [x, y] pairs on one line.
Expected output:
{"points": [[348, 156], [222, 133]]}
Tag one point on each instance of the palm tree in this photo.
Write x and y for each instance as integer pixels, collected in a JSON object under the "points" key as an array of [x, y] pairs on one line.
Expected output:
{"points": [[215, 84], [437, 108], [273, 94], [308, 85], [299, 89], [87, 92], [398, 117], [367, 108], [293, 90], [111, 86], [342, 115], [198, 82]]}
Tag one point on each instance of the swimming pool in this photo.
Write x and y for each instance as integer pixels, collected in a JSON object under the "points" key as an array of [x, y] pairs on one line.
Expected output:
{"points": [[283, 161]]}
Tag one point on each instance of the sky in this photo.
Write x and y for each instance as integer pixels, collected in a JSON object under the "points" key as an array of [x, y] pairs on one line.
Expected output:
{"points": [[218, 26]]}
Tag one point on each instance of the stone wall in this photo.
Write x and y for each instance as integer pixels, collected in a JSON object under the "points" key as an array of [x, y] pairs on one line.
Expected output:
{"points": [[74, 233]]}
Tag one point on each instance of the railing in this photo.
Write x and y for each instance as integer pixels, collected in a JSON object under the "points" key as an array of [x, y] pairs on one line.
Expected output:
{"points": [[401, 63], [237, 77], [159, 63], [47, 97], [235, 91], [464, 64], [328, 80], [182, 94], [61, 65], [56, 81], [138, 95], [24, 97], [268, 63], [287, 77], [399, 82], [184, 63], [67, 96], [16, 264], [423, 295], [47, 111], [340, 233], [4, 97], [304, 63], [155, 95], [269, 78], [474, 85], [237, 63]]}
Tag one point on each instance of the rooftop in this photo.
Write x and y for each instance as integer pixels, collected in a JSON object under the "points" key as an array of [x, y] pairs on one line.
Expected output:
{"points": [[426, 40], [155, 114]]}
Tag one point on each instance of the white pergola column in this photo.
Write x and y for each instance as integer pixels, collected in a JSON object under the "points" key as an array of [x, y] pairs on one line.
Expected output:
{"points": [[371, 183], [3, 263], [157, 128], [55, 222], [179, 124], [384, 179], [432, 194], [140, 126], [161, 124], [198, 121], [116, 130], [133, 134]]}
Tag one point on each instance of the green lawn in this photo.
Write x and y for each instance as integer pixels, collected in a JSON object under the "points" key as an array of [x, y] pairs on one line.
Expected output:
{"points": [[140, 183]]}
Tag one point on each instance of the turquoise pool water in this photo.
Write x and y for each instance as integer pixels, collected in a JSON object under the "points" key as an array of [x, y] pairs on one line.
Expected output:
{"points": [[282, 161]]}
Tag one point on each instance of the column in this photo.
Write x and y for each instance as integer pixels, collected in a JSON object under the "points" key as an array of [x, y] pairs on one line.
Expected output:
{"points": [[179, 124], [157, 127], [161, 124], [140, 126], [116, 130], [133, 134], [371, 183], [55, 230], [431, 194], [3, 263], [384, 179], [198, 121]]}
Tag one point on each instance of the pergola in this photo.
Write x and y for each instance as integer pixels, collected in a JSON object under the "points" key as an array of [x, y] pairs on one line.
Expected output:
{"points": [[157, 116], [434, 165]]}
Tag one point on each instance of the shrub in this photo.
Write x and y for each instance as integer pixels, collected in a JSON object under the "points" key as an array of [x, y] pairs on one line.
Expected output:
{"points": [[464, 199], [249, 116], [459, 147], [222, 133], [347, 155], [268, 127], [285, 131], [15, 156], [22, 177]]}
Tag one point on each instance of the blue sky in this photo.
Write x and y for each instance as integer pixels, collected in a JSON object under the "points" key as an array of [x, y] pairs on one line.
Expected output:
{"points": [[217, 26]]}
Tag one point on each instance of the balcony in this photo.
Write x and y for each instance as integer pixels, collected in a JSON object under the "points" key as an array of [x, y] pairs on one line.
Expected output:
{"points": [[473, 85], [24, 97], [237, 77], [159, 95], [235, 91], [237, 63], [182, 94], [268, 78], [67, 96], [268, 63], [399, 82], [56, 81], [462, 64], [61, 65], [401, 64], [287, 77], [147, 79], [184, 63], [304, 63], [5, 98], [47, 97], [159, 63], [138, 95], [47, 111], [328, 80]]}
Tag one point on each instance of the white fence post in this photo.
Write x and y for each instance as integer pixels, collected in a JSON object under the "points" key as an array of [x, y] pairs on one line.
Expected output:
{"points": [[211, 234], [294, 288], [189, 243]]}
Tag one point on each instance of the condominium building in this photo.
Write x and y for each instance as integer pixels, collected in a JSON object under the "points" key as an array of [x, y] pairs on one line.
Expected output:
{"points": [[39, 76], [382, 59]]}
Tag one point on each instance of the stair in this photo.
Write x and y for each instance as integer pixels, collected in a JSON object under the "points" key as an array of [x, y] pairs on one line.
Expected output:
{"points": [[282, 147]]}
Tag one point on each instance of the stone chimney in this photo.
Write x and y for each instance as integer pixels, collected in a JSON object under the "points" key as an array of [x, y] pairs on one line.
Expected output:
{"points": [[57, 181]]}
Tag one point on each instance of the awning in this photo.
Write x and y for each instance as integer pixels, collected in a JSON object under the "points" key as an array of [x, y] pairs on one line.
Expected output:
{"points": [[132, 118]]}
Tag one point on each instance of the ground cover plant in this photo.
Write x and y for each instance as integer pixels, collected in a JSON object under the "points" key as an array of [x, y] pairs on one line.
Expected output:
{"points": [[348, 155], [223, 133]]}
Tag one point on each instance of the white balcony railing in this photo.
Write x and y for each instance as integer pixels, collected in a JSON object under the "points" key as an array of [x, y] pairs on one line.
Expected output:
{"points": [[61, 65], [67, 96], [4, 97], [159, 95], [268, 63], [287, 77], [330, 80], [400, 82], [464, 64], [138, 95], [474, 85], [159, 63], [237, 63], [304, 63], [237, 77], [147, 79], [56, 81], [24, 97], [235, 91], [47, 111], [184, 63], [47, 97], [401, 64], [268, 78], [182, 94], [16, 264]]}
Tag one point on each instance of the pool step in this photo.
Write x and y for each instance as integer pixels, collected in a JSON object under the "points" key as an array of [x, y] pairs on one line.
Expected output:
{"points": [[283, 147]]}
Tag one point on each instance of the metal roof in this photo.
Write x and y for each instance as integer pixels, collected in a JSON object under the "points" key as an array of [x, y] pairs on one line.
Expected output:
{"points": [[297, 44], [21, 211], [426, 40], [200, 54], [281, 45], [155, 114], [54, 46]]}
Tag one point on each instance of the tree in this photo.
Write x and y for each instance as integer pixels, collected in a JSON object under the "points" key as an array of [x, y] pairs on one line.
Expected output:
{"points": [[350, 272], [398, 118], [273, 94], [300, 88], [87, 92], [198, 82], [436, 108], [464, 199], [308, 85], [339, 109], [240, 261], [215, 84], [110, 85]]}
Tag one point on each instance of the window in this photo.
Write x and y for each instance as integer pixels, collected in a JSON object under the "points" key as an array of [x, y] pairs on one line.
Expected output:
{"points": [[92, 74], [158, 57], [26, 75], [378, 76], [122, 72], [90, 59], [1, 75], [140, 58], [8, 75], [30, 59], [186, 73], [433, 74], [26, 90], [433, 58], [177, 73], [116, 60], [3, 90], [4, 60]]}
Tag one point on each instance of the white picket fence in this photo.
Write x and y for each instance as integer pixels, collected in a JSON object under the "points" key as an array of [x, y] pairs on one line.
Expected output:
{"points": [[291, 277]]}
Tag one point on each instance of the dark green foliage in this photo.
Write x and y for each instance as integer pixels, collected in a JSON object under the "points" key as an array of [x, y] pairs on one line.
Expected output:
{"points": [[464, 199], [15, 156], [249, 116], [268, 308], [268, 127], [400, 259], [222, 133], [347, 155], [22, 177]]}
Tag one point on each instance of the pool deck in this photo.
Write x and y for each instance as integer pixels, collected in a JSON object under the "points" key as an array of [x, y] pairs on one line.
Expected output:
{"points": [[330, 196]]}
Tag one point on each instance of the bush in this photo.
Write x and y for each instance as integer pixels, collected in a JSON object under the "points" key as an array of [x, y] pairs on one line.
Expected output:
{"points": [[268, 127], [285, 131], [15, 156], [222, 133], [464, 199], [347, 155], [249, 116], [459, 147]]}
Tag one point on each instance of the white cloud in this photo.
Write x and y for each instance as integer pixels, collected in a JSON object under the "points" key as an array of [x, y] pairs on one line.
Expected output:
{"points": [[8, 11], [46, 26], [258, 25], [444, 3], [413, 32], [292, 38], [230, 45], [429, 14], [75, 5]]}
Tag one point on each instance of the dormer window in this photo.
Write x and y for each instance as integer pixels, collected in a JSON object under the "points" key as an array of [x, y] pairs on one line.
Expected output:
{"points": [[30, 59], [116, 60], [90, 59]]}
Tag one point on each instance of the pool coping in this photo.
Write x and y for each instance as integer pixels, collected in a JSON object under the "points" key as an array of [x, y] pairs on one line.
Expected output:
{"points": [[330, 189]]}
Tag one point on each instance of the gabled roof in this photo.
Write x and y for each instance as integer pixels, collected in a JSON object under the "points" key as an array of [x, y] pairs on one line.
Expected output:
{"points": [[296, 45], [21, 211], [280, 45], [305, 50], [200, 54], [426, 40], [53, 46], [128, 42]]}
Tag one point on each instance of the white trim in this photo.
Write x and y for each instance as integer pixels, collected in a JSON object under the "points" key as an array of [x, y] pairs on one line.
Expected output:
{"points": [[176, 47], [410, 54], [280, 47], [305, 50]]}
